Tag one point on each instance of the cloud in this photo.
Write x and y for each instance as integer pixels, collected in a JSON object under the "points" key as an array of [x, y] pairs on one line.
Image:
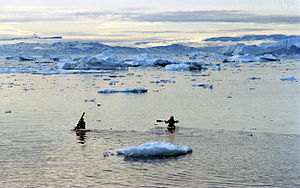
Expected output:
{"points": [[231, 16], [49, 14]]}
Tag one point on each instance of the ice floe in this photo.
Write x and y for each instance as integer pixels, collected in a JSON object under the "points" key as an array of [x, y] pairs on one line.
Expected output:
{"points": [[154, 149], [126, 90]]}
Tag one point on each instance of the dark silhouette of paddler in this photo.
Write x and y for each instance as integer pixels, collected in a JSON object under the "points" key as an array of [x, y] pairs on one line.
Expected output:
{"points": [[81, 123], [171, 122]]}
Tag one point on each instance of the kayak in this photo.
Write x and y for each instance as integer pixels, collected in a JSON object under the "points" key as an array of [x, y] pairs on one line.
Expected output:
{"points": [[171, 128], [82, 130]]}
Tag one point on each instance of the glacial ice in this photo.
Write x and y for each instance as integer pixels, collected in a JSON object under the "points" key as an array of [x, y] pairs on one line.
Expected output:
{"points": [[126, 90], [155, 149]]}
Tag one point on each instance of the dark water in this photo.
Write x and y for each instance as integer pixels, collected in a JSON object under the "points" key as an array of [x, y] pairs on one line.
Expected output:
{"points": [[243, 132]]}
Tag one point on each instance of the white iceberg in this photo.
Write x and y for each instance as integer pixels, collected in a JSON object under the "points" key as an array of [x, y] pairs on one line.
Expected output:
{"points": [[126, 90], [154, 149]]}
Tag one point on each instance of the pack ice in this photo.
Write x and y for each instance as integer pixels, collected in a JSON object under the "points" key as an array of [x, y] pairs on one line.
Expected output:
{"points": [[154, 149]]}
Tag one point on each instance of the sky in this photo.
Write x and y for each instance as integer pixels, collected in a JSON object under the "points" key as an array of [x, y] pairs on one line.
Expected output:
{"points": [[153, 22]]}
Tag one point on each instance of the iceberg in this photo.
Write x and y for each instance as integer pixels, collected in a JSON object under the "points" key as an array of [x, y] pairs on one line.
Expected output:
{"points": [[268, 57], [126, 90], [147, 61], [187, 66], [155, 149], [103, 61], [240, 59]]}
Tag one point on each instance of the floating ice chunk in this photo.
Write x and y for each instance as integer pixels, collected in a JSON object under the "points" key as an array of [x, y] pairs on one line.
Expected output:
{"points": [[145, 60], [240, 58], [217, 68], [162, 81], [126, 90], [154, 149], [254, 78], [187, 66], [113, 82], [25, 58], [107, 154], [268, 57], [90, 100], [288, 78], [177, 67], [210, 86]]}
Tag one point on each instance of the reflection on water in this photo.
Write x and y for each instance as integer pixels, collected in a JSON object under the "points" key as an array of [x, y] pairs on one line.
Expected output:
{"points": [[81, 136]]}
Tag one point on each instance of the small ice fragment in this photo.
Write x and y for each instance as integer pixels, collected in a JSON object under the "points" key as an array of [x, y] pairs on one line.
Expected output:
{"points": [[126, 90], [218, 68], [254, 78], [210, 86], [113, 82], [25, 58], [90, 100], [288, 78], [107, 154]]}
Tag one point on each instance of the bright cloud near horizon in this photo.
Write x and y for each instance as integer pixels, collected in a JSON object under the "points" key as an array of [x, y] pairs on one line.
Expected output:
{"points": [[125, 22]]}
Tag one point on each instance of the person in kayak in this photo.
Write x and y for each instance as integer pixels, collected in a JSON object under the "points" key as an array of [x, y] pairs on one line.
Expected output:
{"points": [[81, 123], [171, 122]]}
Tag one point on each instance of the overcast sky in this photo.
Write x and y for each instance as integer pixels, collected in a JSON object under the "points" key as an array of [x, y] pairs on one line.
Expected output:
{"points": [[159, 21]]}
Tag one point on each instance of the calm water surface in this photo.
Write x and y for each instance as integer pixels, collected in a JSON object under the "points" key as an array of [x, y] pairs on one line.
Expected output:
{"points": [[243, 132]]}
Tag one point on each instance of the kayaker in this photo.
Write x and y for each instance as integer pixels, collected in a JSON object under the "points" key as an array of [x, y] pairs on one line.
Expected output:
{"points": [[81, 123], [171, 122]]}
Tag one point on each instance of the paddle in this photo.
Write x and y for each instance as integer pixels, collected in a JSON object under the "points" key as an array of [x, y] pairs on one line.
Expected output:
{"points": [[81, 118], [160, 120]]}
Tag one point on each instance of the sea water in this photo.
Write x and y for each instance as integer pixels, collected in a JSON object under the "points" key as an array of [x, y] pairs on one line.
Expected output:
{"points": [[243, 132]]}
